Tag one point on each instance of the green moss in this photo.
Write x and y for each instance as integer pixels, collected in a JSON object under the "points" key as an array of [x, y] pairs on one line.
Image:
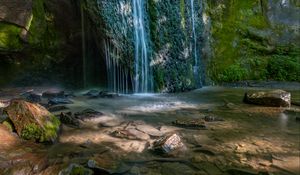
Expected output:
{"points": [[31, 132], [233, 73], [244, 44], [282, 67], [8, 124], [10, 37], [50, 130], [45, 134]]}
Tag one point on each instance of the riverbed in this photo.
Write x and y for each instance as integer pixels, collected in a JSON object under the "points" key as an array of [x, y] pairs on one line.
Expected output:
{"points": [[250, 139]]}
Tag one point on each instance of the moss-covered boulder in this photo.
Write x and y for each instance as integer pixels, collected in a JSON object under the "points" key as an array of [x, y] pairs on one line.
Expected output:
{"points": [[32, 121]]}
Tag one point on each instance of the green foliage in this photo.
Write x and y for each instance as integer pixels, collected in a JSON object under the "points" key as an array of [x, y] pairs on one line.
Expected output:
{"points": [[45, 134], [31, 132], [50, 130], [284, 68], [233, 73]]}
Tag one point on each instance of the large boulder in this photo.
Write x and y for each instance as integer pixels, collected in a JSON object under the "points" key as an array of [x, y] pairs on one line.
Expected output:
{"points": [[276, 98], [32, 121], [169, 144]]}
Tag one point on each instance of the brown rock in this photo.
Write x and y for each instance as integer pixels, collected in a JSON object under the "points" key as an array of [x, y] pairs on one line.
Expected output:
{"points": [[32, 121], [276, 98]]}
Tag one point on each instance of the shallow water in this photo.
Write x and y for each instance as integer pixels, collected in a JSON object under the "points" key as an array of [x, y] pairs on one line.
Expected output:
{"points": [[252, 138]]}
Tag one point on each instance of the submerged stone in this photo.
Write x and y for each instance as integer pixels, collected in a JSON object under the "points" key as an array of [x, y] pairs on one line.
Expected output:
{"points": [[168, 144], [190, 123], [57, 101], [53, 94], [88, 114], [131, 134], [32, 121], [69, 119], [75, 169], [92, 93], [276, 98]]}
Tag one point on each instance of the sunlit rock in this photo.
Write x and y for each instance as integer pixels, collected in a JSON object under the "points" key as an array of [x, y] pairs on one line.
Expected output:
{"points": [[149, 130], [32, 121], [168, 144], [276, 98]]}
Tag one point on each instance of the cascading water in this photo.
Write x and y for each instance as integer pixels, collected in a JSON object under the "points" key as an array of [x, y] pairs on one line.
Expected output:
{"points": [[143, 77], [195, 48], [117, 75]]}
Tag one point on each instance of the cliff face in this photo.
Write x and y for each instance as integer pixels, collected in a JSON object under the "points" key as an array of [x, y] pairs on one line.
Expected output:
{"points": [[169, 37], [189, 42], [253, 39]]}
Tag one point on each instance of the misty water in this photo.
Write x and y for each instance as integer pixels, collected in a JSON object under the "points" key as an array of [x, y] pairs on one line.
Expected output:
{"points": [[249, 137]]}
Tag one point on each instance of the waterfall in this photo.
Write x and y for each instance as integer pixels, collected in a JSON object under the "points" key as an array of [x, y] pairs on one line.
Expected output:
{"points": [[142, 77], [195, 48], [117, 75]]}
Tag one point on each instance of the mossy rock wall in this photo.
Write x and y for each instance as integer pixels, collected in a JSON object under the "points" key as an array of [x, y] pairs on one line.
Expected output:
{"points": [[253, 40], [169, 35], [37, 42]]}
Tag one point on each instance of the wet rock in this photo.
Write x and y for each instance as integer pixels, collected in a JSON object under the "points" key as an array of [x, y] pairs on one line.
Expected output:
{"points": [[168, 144], [190, 123], [7, 138], [240, 171], [32, 121], [149, 130], [57, 101], [88, 114], [32, 97], [73, 169], [69, 119], [212, 119], [57, 108], [53, 94], [106, 94], [92, 93], [276, 98], [131, 134]]}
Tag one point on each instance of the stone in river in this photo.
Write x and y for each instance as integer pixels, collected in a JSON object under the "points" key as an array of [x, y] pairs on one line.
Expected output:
{"points": [[149, 130], [69, 119], [276, 98], [88, 114], [57, 101], [168, 144], [53, 94], [32, 121], [131, 134], [190, 123]]}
